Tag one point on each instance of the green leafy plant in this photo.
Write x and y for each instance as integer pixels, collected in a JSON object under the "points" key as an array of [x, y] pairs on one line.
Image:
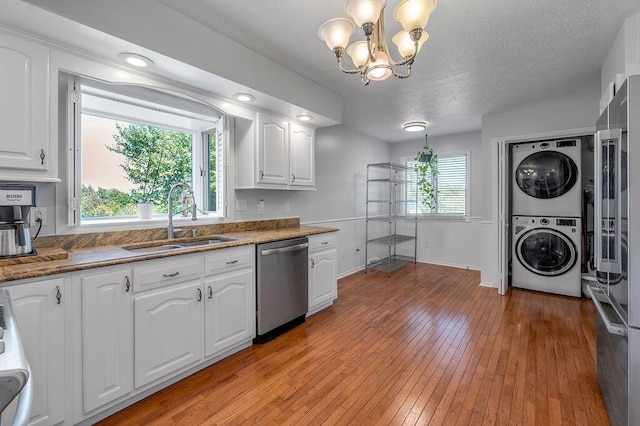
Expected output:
{"points": [[154, 159], [427, 168]]}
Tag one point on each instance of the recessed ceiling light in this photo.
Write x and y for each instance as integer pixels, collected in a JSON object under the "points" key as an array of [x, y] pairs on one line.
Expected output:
{"points": [[244, 97], [414, 126], [304, 117], [135, 59]]}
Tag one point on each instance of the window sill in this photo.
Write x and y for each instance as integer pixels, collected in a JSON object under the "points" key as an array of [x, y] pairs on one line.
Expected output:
{"points": [[129, 223], [444, 217]]}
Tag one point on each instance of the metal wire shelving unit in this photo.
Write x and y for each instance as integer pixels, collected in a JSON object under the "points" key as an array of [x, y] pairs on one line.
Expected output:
{"points": [[387, 186]]}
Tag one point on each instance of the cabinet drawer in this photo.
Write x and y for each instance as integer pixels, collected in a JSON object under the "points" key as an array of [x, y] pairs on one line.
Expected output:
{"points": [[322, 242], [166, 272], [229, 260]]}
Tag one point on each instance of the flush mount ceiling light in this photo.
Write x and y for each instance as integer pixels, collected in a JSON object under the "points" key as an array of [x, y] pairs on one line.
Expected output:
{"points": [[135, 59], [414, 126], [304, 117], [372, 57], [244, 97]]}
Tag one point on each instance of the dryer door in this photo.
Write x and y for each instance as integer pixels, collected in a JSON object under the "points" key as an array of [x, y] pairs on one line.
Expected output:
{"points": [[546, 252], [546, 174]]}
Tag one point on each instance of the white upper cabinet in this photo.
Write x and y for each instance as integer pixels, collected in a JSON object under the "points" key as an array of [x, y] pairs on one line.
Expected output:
{"points": [[25, 151], [273, 150], [301, 159], [272, 153]]}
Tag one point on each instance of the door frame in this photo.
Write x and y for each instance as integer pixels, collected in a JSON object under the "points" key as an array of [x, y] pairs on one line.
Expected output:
{"points": [[500, 148]]}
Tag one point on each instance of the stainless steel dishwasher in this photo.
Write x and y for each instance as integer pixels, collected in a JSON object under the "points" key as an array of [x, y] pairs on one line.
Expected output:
{"points": [[282, 286]]}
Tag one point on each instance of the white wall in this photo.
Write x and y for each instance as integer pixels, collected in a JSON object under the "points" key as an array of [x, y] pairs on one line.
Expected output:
{"points": [[578, 111], [341, 156], [451, 242], [624, 56]]}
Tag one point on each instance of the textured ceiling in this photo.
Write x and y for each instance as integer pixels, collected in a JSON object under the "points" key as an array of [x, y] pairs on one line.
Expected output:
{"points": [[481, 57]]}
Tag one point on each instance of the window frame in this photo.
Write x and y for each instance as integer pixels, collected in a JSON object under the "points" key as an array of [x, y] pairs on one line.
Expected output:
{"points": [[74, 164], [447, 216]]}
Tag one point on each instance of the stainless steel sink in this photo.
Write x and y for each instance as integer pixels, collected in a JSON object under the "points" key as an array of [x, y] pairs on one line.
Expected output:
{"points": [[155, 248]]}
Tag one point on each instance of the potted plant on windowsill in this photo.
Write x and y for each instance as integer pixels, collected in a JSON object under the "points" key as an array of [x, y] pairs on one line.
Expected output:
{"points": [[427, 168], [145, 209]]}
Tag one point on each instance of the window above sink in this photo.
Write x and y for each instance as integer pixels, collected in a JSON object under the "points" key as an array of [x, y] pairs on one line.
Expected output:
{"points": [[133, 143]]}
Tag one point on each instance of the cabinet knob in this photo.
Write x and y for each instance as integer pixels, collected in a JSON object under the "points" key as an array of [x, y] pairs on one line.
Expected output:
{"points": [[210, 292], [313, 263], [199, 293], [127, 283], [261, 175], [233, 262], [293, 177], [42, 157], [58, 294]]}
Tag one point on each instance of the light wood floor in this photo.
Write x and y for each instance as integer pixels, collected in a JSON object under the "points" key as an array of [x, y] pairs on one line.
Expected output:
{"points": [[428, 346]]}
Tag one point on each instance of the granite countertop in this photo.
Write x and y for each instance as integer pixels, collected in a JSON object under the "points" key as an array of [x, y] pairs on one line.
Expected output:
{"points": [[82, 257]]}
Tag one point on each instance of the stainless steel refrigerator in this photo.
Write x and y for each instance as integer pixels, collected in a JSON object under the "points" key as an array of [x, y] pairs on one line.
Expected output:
{"points": [[617, 253]]}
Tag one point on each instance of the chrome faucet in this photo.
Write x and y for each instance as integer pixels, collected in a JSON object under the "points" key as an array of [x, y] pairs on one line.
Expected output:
{"points": [[170, 229]]}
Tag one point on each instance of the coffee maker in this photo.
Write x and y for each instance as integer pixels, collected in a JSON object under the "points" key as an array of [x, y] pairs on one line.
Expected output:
{"points": [[15, 202]]}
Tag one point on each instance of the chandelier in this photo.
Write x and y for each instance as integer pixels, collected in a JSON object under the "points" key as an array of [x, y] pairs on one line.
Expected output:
{"points": [[372, 57]]}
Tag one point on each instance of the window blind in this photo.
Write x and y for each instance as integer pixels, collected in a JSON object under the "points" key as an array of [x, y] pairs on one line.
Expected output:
{"points": [[450, 184]]}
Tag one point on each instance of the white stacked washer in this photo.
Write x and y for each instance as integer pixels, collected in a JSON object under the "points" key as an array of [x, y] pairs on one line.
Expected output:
{"points": [[546, 254], [546, 178]]}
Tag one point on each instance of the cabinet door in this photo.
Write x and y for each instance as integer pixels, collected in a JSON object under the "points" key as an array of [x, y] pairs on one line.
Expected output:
{"points": [[168, 331], [24, 104], [229, 313], [40, 321], [323, 282], [273, 150], [301, 156], [107, 337]]}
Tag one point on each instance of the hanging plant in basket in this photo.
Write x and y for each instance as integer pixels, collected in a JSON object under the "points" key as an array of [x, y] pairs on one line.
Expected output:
{"points": [[427, 168]]}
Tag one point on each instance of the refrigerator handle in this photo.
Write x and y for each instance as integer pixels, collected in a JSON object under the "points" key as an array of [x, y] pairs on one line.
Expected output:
{"points": [[603, 261], [613, 328], [597, 202]]}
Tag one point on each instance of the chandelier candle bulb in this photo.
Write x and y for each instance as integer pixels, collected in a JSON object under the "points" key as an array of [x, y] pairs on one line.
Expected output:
{"points": [[336, 33], [380, 69], [359, 53], [364, 11], [406, 46], [413, 14]]}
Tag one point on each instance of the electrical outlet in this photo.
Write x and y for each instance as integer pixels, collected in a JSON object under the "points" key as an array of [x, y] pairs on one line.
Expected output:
{"points": [[260, 206], [38, 213]]}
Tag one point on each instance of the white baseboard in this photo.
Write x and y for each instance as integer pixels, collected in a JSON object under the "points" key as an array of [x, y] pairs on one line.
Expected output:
{"points": [[488, 284], [351, 272], [452, 265]]}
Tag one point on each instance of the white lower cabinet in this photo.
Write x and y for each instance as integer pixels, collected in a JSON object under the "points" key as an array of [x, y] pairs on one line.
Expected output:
{"points": [[168, 331], [323, 271], [39, 310], [122, 330], [107, 337], [229, 313]]}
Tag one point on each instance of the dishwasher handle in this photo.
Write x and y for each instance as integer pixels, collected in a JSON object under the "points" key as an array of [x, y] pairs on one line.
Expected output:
{"points": [[284, 249], [613, 328]]}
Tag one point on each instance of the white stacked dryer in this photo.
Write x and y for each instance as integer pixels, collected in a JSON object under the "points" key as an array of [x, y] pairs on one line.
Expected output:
{"points": [[546, 179], [546, 208]]}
